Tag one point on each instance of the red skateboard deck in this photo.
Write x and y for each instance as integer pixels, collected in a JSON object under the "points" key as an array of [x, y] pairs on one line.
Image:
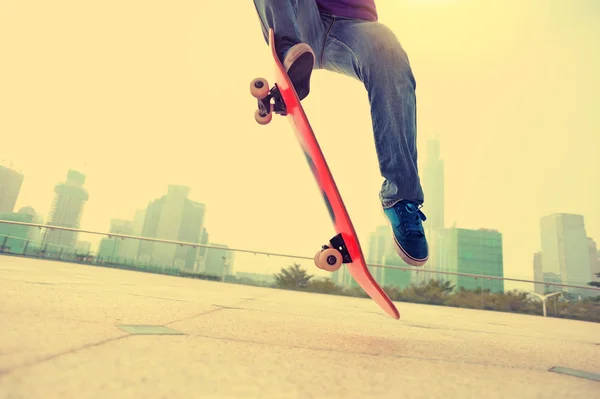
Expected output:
{"points": [[344, 248]]}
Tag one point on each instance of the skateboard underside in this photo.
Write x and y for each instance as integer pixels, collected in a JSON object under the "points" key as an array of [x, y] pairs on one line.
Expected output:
{"points": [[344, 248]]}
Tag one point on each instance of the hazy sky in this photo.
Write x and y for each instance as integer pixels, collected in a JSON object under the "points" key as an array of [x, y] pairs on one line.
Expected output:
{"points": [[139, 95]]}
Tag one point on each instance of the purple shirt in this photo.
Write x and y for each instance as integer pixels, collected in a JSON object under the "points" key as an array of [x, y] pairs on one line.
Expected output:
{"points": [[360, 9]]}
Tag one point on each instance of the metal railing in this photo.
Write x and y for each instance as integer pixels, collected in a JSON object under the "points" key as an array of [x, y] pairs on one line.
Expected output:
{"points": [[417, 285], [291, 256]]}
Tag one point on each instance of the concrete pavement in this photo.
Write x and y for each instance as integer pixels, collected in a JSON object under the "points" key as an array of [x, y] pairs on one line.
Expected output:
{"points": [[75, 331]]}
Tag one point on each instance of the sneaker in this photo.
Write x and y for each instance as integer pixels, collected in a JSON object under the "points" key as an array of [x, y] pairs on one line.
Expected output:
{"points": [[407, 228], [298, 62]]}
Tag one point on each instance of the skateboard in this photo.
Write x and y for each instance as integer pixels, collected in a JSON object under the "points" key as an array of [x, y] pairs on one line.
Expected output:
{"points": [[344, 248]]}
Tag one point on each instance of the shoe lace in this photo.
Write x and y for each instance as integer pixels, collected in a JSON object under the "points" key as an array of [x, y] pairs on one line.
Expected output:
{"points": [[410, 219]]}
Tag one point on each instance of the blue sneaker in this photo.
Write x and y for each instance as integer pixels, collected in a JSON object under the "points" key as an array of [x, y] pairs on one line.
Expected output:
{"points": [[409, 236]]}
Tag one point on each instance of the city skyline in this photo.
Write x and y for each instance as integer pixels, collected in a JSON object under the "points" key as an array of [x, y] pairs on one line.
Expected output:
{"points": [[378, 248]]}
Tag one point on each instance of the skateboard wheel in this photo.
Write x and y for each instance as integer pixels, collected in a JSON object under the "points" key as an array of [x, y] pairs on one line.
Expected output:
{"points": [[259, 88], [330, 259], [317, 256], [260, 119]]}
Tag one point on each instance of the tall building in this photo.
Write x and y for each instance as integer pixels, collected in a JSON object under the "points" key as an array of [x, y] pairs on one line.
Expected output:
{"points": [[130, 248], [34, 235], [191, 228], [83, 247], [380, 247], [10, 186], [66, 211], [538, 274], [594, 260], [172, 217], [219, 262], [201, 256], [472, 252], [17, 238], [114, 248], [433, 188], [565, 252]]}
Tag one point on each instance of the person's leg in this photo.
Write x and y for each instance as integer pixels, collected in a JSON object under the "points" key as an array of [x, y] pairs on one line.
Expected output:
{"points": [[371, 53], [299, 33]]}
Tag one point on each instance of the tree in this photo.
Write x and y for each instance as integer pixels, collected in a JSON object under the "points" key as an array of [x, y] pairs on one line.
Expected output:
{"points": [[324, 286], [292, 278], [432, 291]]}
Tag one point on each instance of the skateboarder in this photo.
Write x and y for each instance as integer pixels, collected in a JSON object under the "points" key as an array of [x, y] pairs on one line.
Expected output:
{"points": [[344, 36]]}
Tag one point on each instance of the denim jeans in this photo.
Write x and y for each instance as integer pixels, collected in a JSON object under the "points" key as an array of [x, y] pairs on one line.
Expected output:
{"points": [[370, 52]]}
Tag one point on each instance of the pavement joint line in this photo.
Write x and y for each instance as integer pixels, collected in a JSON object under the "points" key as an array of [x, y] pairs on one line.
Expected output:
{"points": [[53, 356]]}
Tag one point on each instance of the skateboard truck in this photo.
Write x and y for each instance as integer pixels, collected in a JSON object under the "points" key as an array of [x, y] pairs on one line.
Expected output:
{"points": [[259, 88], [331, 258], [337, 242]]}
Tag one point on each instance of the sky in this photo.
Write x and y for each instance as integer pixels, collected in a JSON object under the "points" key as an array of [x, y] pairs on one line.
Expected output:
{"points": [[142, 94]]}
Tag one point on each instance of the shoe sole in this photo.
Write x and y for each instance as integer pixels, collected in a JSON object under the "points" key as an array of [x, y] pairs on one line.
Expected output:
{"points": [[299, 64], [405, 256], [402, 253]]}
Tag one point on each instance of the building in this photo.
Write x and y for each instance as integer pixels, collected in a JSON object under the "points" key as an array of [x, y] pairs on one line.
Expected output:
{"points": [[472, 252], [131, 247], [201, 257], [538, 274], [219, 261], [380, 247], [16, 238], [113, 249], [66, 211], [594, 255], [173, 217], [83, 247], [433, 188], [10, 186], [35, 234], [565, 251]]}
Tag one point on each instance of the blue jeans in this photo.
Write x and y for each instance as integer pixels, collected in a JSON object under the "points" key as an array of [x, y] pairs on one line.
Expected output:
{"points": [[370, 52]]}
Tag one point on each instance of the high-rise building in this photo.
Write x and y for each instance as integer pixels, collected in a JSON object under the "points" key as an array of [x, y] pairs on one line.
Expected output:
{"points": [[594, 260], [177, 218], [219, 262], [201, 255], [66, 211], [35, 235], [191, 228], [565, 252], [10, 186], [380, 248], [113, 248], [538, 273], [130, 248], [83, 247], [17, 238], [433, 188], [471, 252]]}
